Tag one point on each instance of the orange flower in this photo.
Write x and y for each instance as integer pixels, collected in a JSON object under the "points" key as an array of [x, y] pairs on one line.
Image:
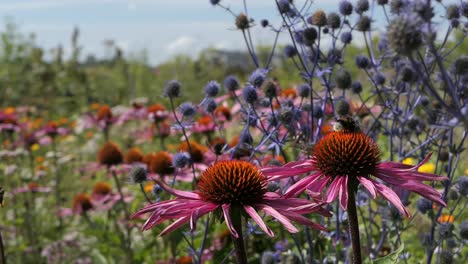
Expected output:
{"points": [[63, 121], [40, 159], [205, 120], [184, 260], [94, 106], [9, 110], [89, 134], [445, 218], [289, 93]]}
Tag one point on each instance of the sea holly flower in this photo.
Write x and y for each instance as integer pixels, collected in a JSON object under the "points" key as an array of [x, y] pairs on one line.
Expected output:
{"points": [[351, 158], [229, 186]]}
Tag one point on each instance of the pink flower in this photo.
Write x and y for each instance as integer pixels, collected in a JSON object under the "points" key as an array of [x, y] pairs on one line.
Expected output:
{"points": [[344, 158], [223, 186], [32, 187]]}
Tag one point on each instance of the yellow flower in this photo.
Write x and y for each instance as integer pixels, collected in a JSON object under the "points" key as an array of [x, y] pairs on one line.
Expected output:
{"points": [[35, 147], [149, 186], [409, 161], [427, 168]]}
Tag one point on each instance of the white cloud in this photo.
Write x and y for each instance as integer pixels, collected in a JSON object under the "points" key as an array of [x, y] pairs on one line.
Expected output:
{"points": [[182, 44]]}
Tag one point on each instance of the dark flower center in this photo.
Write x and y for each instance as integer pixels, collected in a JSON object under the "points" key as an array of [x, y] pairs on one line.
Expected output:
{"points": [[161, 163], [346, 154], [102, 188], [196, 150], [82, 201], [104, 113], [133, 155], [110, 154], [232, 182]]}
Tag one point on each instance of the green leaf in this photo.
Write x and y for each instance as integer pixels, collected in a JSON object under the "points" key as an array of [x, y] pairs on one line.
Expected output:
{"points": [[391, 258], [98, 257]]}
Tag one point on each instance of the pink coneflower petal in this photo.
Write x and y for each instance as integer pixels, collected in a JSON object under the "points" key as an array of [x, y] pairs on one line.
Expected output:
{"points": [[152, 207], [178, 223], [283, 220], [368, 185], [200, 212], [178, 209], [344, 193], [304, 220], [420, 188], [410, 175], [251, 211], [153, 220], [227, 217], [226, 184], [404, 167], [333, 189], [391, 196], [178, 193], [289, 169], [302, 184]]}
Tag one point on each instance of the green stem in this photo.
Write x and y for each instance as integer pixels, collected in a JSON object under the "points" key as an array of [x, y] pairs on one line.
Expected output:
{"points": [[58, 195], [144, 193], [127, 241], [239, 240], [2, 251], [354, 225]]}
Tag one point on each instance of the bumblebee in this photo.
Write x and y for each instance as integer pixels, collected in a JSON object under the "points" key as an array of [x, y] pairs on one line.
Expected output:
{"points": [[346, 125]]}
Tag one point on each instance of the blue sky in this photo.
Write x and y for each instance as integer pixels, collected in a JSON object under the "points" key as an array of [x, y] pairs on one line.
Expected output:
{"points": [[162, 27]]}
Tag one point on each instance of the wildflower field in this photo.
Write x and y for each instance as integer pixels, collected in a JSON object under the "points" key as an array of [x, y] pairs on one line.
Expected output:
{"points": [[345, 145]]}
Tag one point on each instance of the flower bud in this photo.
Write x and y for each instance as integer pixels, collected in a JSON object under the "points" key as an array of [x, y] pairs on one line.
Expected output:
{"points": [[172, 89]]}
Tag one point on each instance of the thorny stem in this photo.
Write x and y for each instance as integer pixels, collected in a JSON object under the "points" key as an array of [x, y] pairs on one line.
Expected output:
{"points": [[354, 225]]}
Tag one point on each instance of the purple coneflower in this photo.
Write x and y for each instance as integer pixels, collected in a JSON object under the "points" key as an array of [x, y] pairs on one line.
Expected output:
{"points": [[343, 159], [230, 187]]}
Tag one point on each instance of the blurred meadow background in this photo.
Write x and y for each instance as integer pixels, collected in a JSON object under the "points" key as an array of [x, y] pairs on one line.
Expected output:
{"points": [[104, 101]]}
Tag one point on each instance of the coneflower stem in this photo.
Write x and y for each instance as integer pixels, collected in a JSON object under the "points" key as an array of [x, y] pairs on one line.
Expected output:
{"points": [[239, 240], [58, 199], [354, 225], [127, 239], [144, 193], [2, 251]]}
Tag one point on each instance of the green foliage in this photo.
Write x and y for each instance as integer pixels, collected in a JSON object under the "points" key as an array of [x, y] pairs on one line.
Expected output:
{"points": [[391, 258]]}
